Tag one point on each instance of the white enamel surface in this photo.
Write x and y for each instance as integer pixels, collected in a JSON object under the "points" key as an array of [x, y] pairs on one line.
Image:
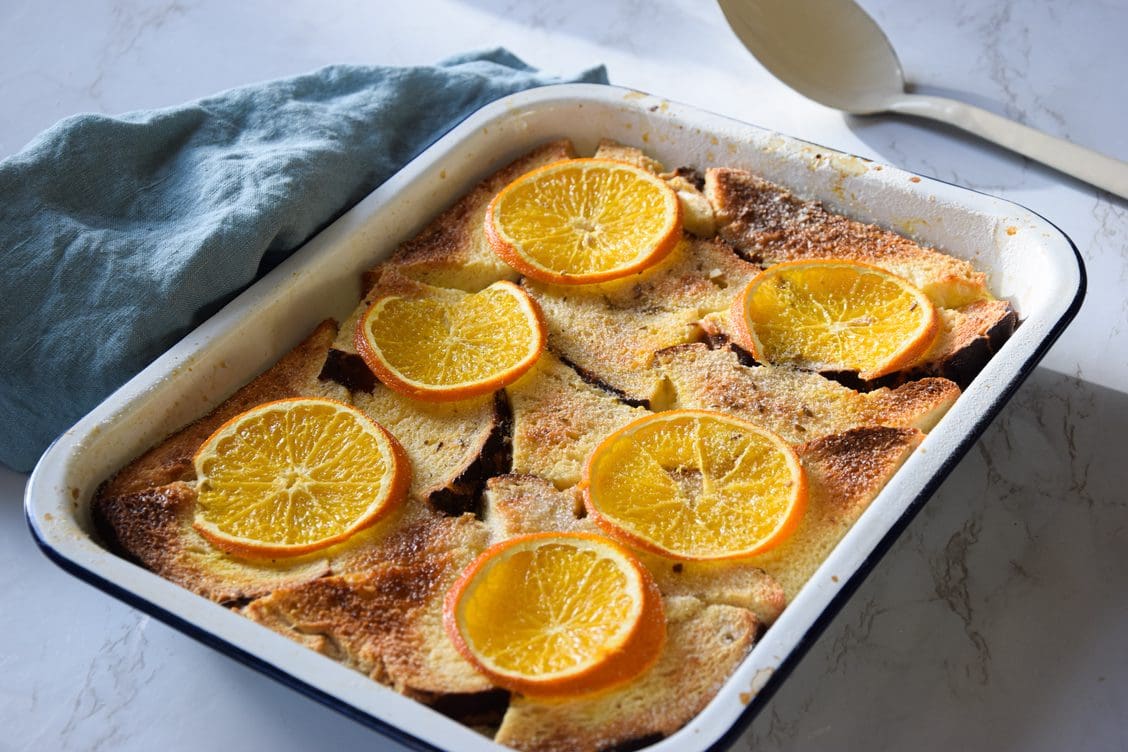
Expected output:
{"points": [[996, 620]]}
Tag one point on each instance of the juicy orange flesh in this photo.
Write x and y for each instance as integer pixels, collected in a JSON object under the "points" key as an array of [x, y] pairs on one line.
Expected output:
{"points": [[695, 486], [291, 476], [833, 317], [435, 342], [554, 608], [585, 219]]}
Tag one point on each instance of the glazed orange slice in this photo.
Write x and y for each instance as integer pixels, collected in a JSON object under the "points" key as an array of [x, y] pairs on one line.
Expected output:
{"points": [[695, 484], [451, 345], [294, 476], [582, 221], [554, 614], [831, 315]]}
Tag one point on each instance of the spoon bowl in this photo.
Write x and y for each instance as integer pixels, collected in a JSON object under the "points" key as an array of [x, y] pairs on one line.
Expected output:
{"points": [[831, 51]]}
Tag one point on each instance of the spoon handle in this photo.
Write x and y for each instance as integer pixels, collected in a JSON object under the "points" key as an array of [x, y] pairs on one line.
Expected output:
{"points": [[1094, 168]]}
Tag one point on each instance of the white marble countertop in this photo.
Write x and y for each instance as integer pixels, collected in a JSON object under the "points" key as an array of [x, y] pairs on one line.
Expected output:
{"points": [[996, 622]]}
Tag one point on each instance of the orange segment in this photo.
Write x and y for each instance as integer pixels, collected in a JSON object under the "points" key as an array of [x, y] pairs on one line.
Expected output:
{"points": [[835, 316], [451, 345], [294, 476], [695, 484], [557, 614], [582, 221]]}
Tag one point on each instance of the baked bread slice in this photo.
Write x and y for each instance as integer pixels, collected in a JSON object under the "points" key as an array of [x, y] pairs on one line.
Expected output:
{"points": [[968, 337], [618, 152], [146, 510], [452, 250], [383, 616], [294, 375], [845, 473], [522, 504], [153, 527], [769, 224], [610, 332], [453, 446], [558, 419], [704, 644], [798, 405]]}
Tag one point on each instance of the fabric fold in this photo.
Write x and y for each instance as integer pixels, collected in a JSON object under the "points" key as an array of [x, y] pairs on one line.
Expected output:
{"points": [[121, 234]]}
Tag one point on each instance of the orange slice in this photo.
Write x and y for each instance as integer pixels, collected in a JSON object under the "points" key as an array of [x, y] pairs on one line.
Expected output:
{"points": [[451, 345], [553, 614], [695, 484], [294, 476], [830, 315], [582, 221]]}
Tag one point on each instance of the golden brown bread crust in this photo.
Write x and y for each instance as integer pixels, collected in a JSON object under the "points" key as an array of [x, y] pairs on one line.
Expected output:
{"points": [[384, 616], [154, 528], [915, 404], [845, 472], [609, 149], [612, 331], [294, 375], [741, 583], [799, 406], [769, 224], [558, 419], [704, 645], [452, 250], [146, 510], [453, 446], [520, 504], [968, 337]]}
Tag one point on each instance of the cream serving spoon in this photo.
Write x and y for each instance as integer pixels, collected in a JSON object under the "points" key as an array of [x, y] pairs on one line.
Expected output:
{"points": [[832, 52]]}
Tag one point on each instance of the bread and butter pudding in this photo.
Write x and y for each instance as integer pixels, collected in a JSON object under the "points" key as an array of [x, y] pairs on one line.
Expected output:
{"points": [[509, 455]]}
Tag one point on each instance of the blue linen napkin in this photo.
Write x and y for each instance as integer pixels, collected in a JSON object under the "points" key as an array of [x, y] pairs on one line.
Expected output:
{"points": [[120, 235]]}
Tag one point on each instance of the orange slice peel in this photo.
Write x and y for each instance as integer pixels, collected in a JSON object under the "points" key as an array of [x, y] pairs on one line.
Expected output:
{"points": [[695, 485], [834, 315], [451, 345], [557, 614], [583, 221], [294, 476]]}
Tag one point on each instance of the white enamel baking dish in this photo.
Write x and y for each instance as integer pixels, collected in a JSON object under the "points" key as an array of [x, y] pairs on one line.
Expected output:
{"points": [[1029, 261]]}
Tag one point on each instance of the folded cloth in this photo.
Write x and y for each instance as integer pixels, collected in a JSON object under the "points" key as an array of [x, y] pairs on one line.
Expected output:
{"points": [[121, 234]]}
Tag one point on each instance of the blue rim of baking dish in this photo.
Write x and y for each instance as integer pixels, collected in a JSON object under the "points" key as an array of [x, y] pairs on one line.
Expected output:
{"points": [[788, 663]]}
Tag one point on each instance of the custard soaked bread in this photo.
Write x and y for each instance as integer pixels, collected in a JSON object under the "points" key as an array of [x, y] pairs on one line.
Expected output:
{"points": [[383, 615], [146, 510], [768, 224], [558, 418], [611, 332], [492, 470], [797, 405], [705, 644]]}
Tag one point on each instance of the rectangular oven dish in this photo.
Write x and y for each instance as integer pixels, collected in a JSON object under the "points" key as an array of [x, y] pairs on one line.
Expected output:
{"points": [[1028, 261]]}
